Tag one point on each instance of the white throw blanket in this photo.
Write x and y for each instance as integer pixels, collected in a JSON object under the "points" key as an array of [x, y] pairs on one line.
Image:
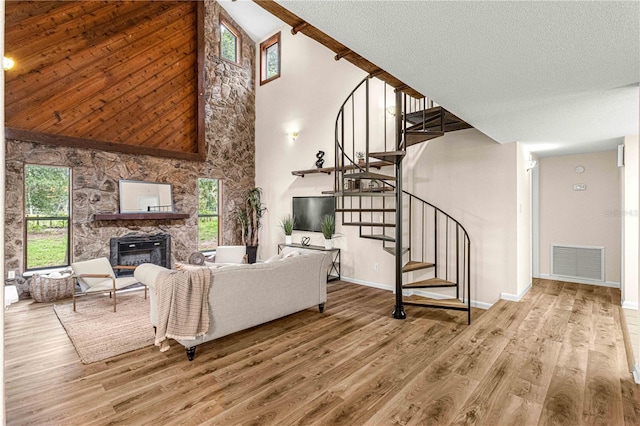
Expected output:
{"points": [[183, 305]]}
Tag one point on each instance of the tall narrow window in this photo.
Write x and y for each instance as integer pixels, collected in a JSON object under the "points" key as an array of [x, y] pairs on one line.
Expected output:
{"points": [[270, 59], [47, 206], [208, 200], [229, 42]]}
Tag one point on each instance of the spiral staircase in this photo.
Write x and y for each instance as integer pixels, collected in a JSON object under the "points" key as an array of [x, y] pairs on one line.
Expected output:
{"points": [[432, 250]]}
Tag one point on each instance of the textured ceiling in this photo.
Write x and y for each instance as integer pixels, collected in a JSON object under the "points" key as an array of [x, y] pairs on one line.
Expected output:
{"points": [[561, 77]]}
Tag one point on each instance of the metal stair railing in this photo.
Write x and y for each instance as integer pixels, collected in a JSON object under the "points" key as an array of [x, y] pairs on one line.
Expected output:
{"points": [[432, 233]]}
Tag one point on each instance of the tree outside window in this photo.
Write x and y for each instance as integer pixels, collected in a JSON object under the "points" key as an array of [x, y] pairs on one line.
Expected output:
{"points": [[208, 218], [270, 59], [47, 207], [229, 43], [273, 61]]}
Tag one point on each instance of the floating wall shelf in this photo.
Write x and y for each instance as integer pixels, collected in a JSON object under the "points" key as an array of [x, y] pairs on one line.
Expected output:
{"points": [[329, 170]]}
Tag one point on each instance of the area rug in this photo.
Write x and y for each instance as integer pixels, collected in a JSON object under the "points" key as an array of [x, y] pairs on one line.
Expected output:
{"points": [[98, 333]]}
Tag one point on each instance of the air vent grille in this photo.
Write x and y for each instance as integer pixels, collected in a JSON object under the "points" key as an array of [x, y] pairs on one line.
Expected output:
{"points": [[578, 262]]}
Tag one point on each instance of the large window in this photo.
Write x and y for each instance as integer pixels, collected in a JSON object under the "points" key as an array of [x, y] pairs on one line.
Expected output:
{"points": [[229, 42], [270, 59], [47, 207], [208, 201]]}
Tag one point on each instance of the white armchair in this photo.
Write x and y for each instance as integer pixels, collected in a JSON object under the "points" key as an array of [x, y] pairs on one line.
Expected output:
{"points": [[97, 276], [230, 254]]}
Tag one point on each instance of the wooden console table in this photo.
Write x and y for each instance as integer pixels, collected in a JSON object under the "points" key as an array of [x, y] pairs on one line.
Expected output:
{"points": [[334, 269]]}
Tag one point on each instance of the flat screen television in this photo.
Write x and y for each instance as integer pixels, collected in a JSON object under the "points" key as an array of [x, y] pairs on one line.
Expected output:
{"points": [[308, 212]]}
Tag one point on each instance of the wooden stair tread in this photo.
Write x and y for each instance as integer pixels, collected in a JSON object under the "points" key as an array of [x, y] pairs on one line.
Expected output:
{"points": [[430, 283], [377, 224], [369, 175], [413, 265], [456, 304], [414, 137], [428, 114], [448, 126], [431, 120], [389, 156], [380, 237], [392, 250]]}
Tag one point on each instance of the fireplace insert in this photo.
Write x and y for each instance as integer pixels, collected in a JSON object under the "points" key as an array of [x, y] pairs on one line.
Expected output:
{"points": [[135, 249]]}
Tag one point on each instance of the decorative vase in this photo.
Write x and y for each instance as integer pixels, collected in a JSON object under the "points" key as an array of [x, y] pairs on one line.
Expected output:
{"points": [[287, 240], [328, 244], [320, 160]]}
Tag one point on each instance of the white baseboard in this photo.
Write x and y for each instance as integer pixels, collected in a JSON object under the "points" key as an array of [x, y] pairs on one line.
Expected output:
{"points": [[474, 303], [580, 281], [630, 305], [368, 283], [636, 373], [515, 297]]}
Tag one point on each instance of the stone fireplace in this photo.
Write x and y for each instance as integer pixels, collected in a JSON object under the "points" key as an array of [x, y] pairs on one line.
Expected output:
{"points": [[229, 114], [135, 249]]}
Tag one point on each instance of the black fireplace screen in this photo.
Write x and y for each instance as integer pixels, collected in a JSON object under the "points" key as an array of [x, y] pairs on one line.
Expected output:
{"points": [[135, 249]]}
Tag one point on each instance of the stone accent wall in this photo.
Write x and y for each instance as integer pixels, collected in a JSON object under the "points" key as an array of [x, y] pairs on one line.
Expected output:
{"points": [[230, 137]]}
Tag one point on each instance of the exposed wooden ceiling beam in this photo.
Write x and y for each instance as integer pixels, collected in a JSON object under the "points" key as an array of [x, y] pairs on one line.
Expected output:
{"points": [[376, 73], [343, 53], [300, 25]]}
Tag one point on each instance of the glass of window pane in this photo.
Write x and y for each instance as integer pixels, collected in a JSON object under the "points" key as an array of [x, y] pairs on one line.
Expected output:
{"points": [[228, 44], [47, 216], [208, 232], [47, 243], [272, 61]]}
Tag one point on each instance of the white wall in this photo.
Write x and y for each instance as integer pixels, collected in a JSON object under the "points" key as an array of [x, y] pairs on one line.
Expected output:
{"points": [[466, 173], [473, 179], [631, 222], [585, 218], [523, 214], [630, 212], [306, 98]]}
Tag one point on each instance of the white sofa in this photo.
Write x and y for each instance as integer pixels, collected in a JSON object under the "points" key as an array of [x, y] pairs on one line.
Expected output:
{"points": [[243, 296]]}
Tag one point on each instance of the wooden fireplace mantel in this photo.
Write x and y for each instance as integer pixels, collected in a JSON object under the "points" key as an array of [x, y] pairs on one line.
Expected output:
{"points": [[140, 216]]}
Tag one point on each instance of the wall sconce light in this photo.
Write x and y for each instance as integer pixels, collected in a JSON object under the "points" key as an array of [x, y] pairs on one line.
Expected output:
{"points": [[8, 63], [391, 110], [293, 136]]}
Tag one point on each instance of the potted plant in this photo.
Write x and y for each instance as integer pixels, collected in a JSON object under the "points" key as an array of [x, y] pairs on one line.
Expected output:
{"points": [[287, 222], [328, 226], [248, 218], [360, 157]]}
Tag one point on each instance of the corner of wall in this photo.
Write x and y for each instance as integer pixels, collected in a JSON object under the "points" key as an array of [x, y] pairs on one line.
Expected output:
{"points": [[631, 221]]}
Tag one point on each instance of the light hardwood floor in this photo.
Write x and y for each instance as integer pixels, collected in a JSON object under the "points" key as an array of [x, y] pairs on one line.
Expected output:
{"points": [[557, 357]]}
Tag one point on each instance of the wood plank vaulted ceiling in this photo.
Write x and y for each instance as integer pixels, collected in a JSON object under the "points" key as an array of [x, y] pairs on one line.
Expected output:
{"points": [[119, 76]]}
